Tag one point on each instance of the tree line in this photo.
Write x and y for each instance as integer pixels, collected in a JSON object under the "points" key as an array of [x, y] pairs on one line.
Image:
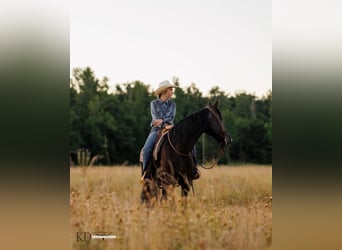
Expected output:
{"points": [[110, 126]]}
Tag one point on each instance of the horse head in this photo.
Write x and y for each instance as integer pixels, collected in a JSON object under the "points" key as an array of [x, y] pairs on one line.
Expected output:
{"points": [[216, 127]]}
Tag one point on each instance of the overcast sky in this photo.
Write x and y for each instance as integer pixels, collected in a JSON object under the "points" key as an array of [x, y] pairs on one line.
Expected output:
{"points": [[222, 43]]}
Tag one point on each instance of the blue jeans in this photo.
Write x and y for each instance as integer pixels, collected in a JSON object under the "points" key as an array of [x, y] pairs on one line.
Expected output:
{"points": [[148, 147]]}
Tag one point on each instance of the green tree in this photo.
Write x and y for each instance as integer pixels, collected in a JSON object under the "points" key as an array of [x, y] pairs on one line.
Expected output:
{"points": [[89, 121], [115, 125]]}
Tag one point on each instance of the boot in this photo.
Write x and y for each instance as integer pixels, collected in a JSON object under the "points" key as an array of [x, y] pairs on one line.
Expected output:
{"points": [[146, 175], [143, 177], [197, 173]]}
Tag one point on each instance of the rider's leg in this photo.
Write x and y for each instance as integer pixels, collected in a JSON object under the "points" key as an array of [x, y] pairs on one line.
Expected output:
{"points": [[148, 148]]}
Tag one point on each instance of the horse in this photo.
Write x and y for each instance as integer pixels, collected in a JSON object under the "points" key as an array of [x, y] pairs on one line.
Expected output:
{"points": [[175, 165]]}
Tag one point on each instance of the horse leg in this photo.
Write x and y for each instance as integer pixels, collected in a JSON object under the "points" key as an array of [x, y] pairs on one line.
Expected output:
{"points": [[184, 192], [164, 195], [149, 192], [185, 188], [185, 185], [145, 195]]}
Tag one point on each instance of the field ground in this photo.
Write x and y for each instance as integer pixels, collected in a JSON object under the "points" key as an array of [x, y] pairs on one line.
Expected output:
{"points": [[231, 209]]}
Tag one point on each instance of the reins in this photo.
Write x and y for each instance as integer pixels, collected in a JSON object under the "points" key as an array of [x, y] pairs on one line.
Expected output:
{"points": [[173, 147], [212, 160], [186, 155]]}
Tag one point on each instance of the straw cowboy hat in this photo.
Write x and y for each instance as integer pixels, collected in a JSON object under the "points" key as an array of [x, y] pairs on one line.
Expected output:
{"points": [[163, 86]]}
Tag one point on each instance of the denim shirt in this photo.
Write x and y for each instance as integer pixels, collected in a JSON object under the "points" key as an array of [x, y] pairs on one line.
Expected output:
{"points": [[163, 110]]}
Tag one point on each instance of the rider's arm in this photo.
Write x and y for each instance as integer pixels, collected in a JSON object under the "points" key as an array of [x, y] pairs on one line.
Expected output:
{"points": [[169, 119], [156, 115]]}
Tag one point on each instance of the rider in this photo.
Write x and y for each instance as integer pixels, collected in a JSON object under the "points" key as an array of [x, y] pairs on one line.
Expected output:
{"points": [[163, 112]]}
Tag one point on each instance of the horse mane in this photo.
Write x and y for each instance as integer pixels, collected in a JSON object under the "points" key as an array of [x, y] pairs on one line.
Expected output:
{"points": [[190, 123]]}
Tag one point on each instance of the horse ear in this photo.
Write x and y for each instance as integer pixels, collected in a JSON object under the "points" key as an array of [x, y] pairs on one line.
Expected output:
{"points": [[215, 104]]}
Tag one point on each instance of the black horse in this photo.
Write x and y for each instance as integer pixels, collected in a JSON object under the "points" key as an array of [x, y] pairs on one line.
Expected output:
{"points": [[175, 165]]}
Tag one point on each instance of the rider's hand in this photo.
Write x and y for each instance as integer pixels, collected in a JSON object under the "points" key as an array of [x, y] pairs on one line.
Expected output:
{"points": [[157, 122], [168, 126]]}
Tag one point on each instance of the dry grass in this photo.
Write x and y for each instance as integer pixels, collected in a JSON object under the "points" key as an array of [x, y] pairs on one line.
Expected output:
{"points": [[231, 209]]}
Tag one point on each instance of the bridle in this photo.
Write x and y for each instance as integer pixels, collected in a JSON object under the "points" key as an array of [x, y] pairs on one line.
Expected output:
{"points": [[217, 119]]}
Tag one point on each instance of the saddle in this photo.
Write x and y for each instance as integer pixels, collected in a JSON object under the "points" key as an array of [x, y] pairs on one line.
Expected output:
{"points": [[157, 145], [160, 139]]}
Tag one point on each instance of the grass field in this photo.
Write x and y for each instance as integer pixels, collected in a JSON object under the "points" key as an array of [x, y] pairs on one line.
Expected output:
{"points": [[231, 209]]}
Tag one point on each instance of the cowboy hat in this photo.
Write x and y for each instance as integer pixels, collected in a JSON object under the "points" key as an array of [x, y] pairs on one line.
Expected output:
{"points": [[164, 85]]}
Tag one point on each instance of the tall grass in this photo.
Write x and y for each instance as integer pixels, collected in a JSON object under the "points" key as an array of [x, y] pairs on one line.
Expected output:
{"points": [[231, 209]]}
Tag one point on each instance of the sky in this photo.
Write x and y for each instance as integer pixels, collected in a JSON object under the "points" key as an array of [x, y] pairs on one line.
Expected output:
{"points": [[221, 43]]}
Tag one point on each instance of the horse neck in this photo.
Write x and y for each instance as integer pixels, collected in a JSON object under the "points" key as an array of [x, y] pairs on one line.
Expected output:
{"points": [[187, 132]]}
